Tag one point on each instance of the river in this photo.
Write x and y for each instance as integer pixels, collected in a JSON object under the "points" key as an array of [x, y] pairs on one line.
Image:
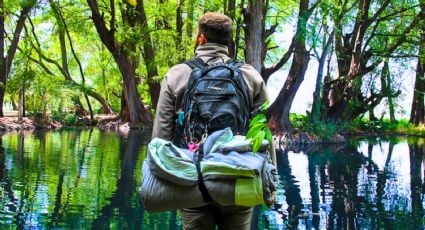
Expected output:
{"points": [[88, 179]]}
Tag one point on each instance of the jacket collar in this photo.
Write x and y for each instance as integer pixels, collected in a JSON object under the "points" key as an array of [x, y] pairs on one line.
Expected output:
{"points": [[212, 49]]}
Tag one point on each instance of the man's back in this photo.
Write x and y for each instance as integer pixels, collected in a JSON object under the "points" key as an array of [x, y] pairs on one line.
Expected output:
{"points": [[175, 83]]}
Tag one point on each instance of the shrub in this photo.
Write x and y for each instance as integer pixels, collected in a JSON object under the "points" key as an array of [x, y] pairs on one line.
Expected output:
{"points": [[70, 119]]}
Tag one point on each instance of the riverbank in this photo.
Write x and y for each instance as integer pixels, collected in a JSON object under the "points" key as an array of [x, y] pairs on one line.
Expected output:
{"points": [[10, 124], [301, 135]]}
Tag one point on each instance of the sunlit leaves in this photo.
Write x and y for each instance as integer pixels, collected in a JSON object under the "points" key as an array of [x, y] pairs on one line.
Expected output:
{"points": [[27, 3], [132, 2], [259, 129]]}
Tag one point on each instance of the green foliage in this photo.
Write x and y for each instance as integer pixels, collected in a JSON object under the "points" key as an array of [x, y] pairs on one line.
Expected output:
{"points": [[70, 119], [46, 89], [58, 116], [27, 3], [259, 129], [324, 130], [379, 126]]}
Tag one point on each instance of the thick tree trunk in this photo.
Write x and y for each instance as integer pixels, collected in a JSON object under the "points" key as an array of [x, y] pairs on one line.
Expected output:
{"points": [[278, 112], [139, 116], [417, 114], [354, 57], [254, 33]]}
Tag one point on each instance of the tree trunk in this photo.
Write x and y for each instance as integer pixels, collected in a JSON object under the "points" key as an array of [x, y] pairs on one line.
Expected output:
{"points": [[64, 53], [3, 72], [189, 22], [149, 56], [179, 29], [316, 108], [21, 103], [356, 57], [417, 114], [230, 10], [139, 116], [254, 33], [63, 68], [278, 112], [386, 89], [418, 109], [6, 61], [62, 23]]}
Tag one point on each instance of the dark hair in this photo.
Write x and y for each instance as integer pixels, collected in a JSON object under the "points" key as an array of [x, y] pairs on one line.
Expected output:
{"points": [[216, 27]]}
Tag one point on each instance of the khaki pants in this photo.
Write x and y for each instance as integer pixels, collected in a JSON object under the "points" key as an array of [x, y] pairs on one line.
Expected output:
{"points": [[212, 215]]}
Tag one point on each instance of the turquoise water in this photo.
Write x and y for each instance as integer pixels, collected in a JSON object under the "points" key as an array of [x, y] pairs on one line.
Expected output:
{"points": [[88, 179]]}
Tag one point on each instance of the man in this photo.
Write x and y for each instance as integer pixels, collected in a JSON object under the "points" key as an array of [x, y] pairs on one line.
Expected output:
{"points": [[213, 36]]}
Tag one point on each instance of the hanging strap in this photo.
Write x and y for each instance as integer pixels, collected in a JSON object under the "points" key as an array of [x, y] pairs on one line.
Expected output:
{"points": [[198, 158]]}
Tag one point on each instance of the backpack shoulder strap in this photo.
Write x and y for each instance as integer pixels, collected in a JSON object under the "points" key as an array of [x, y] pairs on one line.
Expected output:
{"points": [[195, 63], [234, 63]]}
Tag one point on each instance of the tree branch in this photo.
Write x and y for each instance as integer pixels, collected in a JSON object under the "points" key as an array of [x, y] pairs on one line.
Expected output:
{"points": [[16, 35], [267, 72]]}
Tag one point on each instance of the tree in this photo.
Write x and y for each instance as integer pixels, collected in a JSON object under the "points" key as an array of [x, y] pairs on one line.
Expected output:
{"points": [[417, 114], [279, 110], [134, 111], [322, 38], [379, 29], [6, 61], [63, 66]]}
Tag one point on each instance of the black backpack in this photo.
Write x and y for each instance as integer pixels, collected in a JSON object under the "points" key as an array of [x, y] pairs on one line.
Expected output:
{"points": [[216, 97]]}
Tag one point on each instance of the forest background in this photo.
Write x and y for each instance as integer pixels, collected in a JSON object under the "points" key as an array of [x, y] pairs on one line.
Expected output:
{"points": [[69, 61]]}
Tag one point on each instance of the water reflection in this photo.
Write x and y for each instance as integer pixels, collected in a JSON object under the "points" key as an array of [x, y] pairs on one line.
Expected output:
{"points": [[88, 179], [370, 184]]}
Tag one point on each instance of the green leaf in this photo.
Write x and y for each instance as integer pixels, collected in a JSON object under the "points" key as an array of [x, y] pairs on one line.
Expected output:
{"points": [[258, 118], [254, 130], [265, 105], [257, 141]]}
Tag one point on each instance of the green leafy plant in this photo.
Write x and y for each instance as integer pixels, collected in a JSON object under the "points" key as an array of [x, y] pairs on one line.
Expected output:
{"points": [[259, 129], [70, 119]]}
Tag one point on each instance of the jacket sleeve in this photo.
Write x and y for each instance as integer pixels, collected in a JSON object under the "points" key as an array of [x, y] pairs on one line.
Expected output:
{"points": [[257, 86], [165, 113], [260, 95]]}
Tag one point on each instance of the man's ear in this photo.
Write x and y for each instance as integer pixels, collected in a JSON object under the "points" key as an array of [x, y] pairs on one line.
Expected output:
{"points": [[202, 39]]}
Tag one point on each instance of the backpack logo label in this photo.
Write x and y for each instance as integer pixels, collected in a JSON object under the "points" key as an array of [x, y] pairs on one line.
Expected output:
{"points": [[215, 88]]}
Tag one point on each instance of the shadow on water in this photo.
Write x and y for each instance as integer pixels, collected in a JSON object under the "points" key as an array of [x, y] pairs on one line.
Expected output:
{"points": [[88, 179]]}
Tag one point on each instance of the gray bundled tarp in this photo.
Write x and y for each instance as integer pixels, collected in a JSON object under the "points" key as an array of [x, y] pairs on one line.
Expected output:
{"points": [[231, 172]]}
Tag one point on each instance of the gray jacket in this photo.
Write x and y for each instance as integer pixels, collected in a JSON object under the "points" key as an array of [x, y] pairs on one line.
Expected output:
{"points": [[175, 81]]}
